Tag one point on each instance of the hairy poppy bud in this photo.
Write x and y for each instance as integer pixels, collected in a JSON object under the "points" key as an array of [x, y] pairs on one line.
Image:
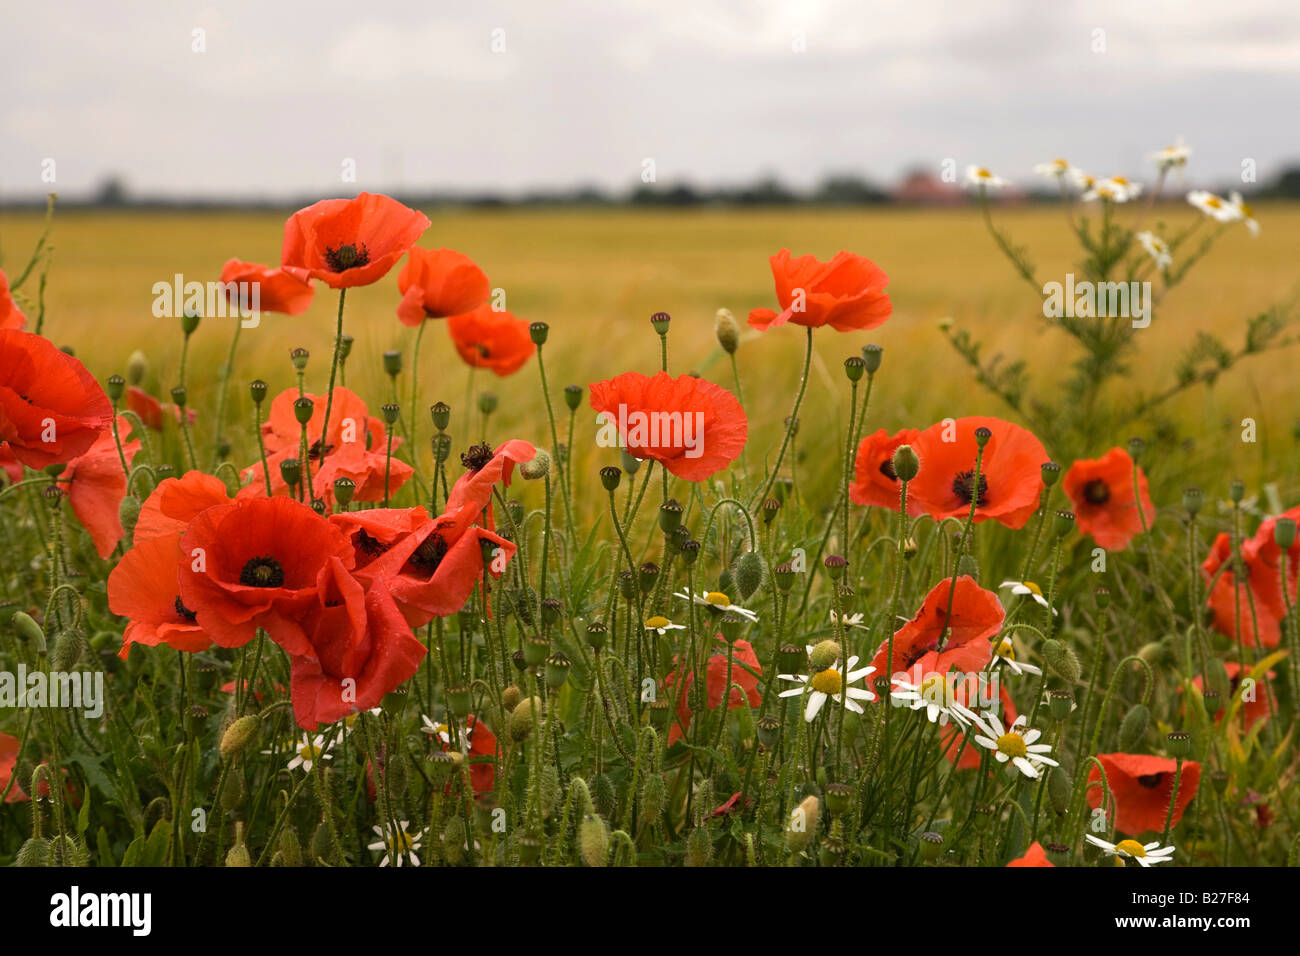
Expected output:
{"points": [[128, 513], [1133, 728], [1058, 789], [905, 463], [1062, 660], [538, 468], [749, 574], [727, 331], [521, 719], [29, 630], [871, 355], [593, 840], [825, 655], [238, 736], [802, 825], [660, 321], [597, 633], [510, 697], [699, 848], [137, 366]]}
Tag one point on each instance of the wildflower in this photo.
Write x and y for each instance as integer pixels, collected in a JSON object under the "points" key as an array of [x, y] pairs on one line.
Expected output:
{"points": [[436, 283], [306, 752], [849, 620], [847, 293], [485, 472], [1056, 169], [718, 602], [1034, 856], [936, 694], [1104, 500], [397, 844], [1148, 854], [11, 317], [476, 741], [1156, 248], [1171, 157], [349, 723], [278, 290], [1256, 707], [96, 486], [1143, 787], [1115, 189], [743, 692], [1015, 744], [1244, 211], [1005, 651], [692, 427], [833, 684], [349, 242], [983, 178], [661, 625], [1026, 589], [144, 589], [491, 339], [874, 480], [1010, 473], [151, 411], [975, 616], [1084, 182], [1213, 206], [951, 737], [1255, 578], [175, 502]]}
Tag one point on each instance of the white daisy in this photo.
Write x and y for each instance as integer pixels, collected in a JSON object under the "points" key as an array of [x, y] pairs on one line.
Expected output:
{"points": [[306, 752], [1014, 745], [938, 696], [350, 723], [1171, 157], [717, 601], [1157, 248], [1244, 212], [1148, 854], [850, 620], [397, 845], [1082, 181], [443, 732], [1027, 589], [979, 176], [1056, 169], [1216, 207], [1116, 189], [1005, 651], [661, 625], [830, 683]]}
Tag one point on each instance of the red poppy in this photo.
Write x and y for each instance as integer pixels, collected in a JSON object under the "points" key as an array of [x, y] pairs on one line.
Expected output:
{"points": [[483, 751], [1143, 787], [51, 408], [9, 747], [486, 338], [1101, 491], [278, 290], [950, 736], [1010, 479], [431, 566], [175, 502], [436, 283], [96, 485], [692, 427], [976, 616], [1257, 708], [151, 412], [9, 465], [349, 242], [145, 589], [355, 648], [745, 672], [485, 469], [11, 317], [1268, 583], [1034, 856], [1231, 597], [847, 293], [874, 481], [255, 563]]}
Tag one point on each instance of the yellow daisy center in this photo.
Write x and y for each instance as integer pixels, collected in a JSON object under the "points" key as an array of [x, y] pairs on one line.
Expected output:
{"points": [[827, 681], [1013, 745], [983, 173], [1119, 180], [308, 751], [1005, 650], [400, 843], [934, 689], [1247, 211], [1131, 847], [1214, 202], [657, 622], [717, 599]]}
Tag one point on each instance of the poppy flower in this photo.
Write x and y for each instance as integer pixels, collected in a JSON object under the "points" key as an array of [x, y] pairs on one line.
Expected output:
{"points": [[255, 563], [9, 465], [9, 747], [278, 290], [431, 566], [11, 317], [847, 293], [485, 468], [96, 485], [482, 752], [51, 408], [874, 481], [1034, 856], [1101, 492], [1010, 479], [1269, 581], [355, 648], [175, 502], [715, 682], [151, 412], [486, 338], [349, 242], [436, 283], [1256, 709], [976, 616], [144, 588], [692, 427], [1229, 598], [1143, 787]]}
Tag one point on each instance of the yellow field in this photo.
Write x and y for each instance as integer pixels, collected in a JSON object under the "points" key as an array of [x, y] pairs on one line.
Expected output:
{"points": [[595, 276]]}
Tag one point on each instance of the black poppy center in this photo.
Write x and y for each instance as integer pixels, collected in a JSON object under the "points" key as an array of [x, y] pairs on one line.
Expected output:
{"points": [[1151, 780], [183, 611], [483, 350], [263, 572], [963, 486], [346, 257], [429, 554], [369, 545], [477, 457], [887, 469], [1096, 492], [314, 452]]}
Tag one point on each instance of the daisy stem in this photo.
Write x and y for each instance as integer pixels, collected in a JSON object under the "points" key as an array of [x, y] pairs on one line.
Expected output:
{"points": [[334, 369], [790, 423]]}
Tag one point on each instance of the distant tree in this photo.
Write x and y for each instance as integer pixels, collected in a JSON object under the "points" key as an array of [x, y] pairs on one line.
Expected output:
{"points": [[848, 189], [111, 192]]}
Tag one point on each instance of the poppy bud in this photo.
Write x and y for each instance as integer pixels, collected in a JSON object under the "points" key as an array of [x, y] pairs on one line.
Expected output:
{"points": [[538, 332], [905, 463], [115, 386], [536, 649], [750, 571], [189, 322], [35, 851], [345, 347], [731, 626], [784, 574], [1133, 728], [128, 513], [1217, 677], [1236, 490], [487, 402], [1058, 789], [967, 565], [769, 508], [1051, 473], [179, 395], [1061, 660], [458, 699], [511, 695], [1180, 744], [670, 516], [727, 331], [597, 633], [649, 574], [302, 409], [291, 471], [1060, 703], [769, 731], [1102, 596], [660, 321], [982, 436], [871, 355], [839, 798], [299, 358], [238, 736], [610, 476], [931, 845], [393, 363], [699, 848], [1219, 780], [538, 468], [29, 630], [234, 792], [825, 655], [791, 659], [1284, 533], [290, 847], [69, 646], [1057, 853], [593, 840], [690, 551], [836, 565], [257, 390], [1063, 523], [801, 826], [529, 845], [854, 366], [344, 489], [390, 411], [1136, 446], [520, 723], [137, 366], [239, 856]]}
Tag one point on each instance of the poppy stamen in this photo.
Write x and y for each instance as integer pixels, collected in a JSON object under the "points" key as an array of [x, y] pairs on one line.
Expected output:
{"points": [[429, 554], [369, 545], [477, 457], [887, 469], [963, 486], [185, 612], [263, 572], [1151, 780], [1096, 492], [346, 257]]}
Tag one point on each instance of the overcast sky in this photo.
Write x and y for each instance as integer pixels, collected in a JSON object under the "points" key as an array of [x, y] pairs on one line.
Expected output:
{"points": [[714, 92]]}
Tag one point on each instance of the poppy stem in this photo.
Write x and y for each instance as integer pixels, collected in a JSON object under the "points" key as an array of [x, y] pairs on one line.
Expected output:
{"points": [[226, 371], [790, 423], [1173, 801], [334, 370]]}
